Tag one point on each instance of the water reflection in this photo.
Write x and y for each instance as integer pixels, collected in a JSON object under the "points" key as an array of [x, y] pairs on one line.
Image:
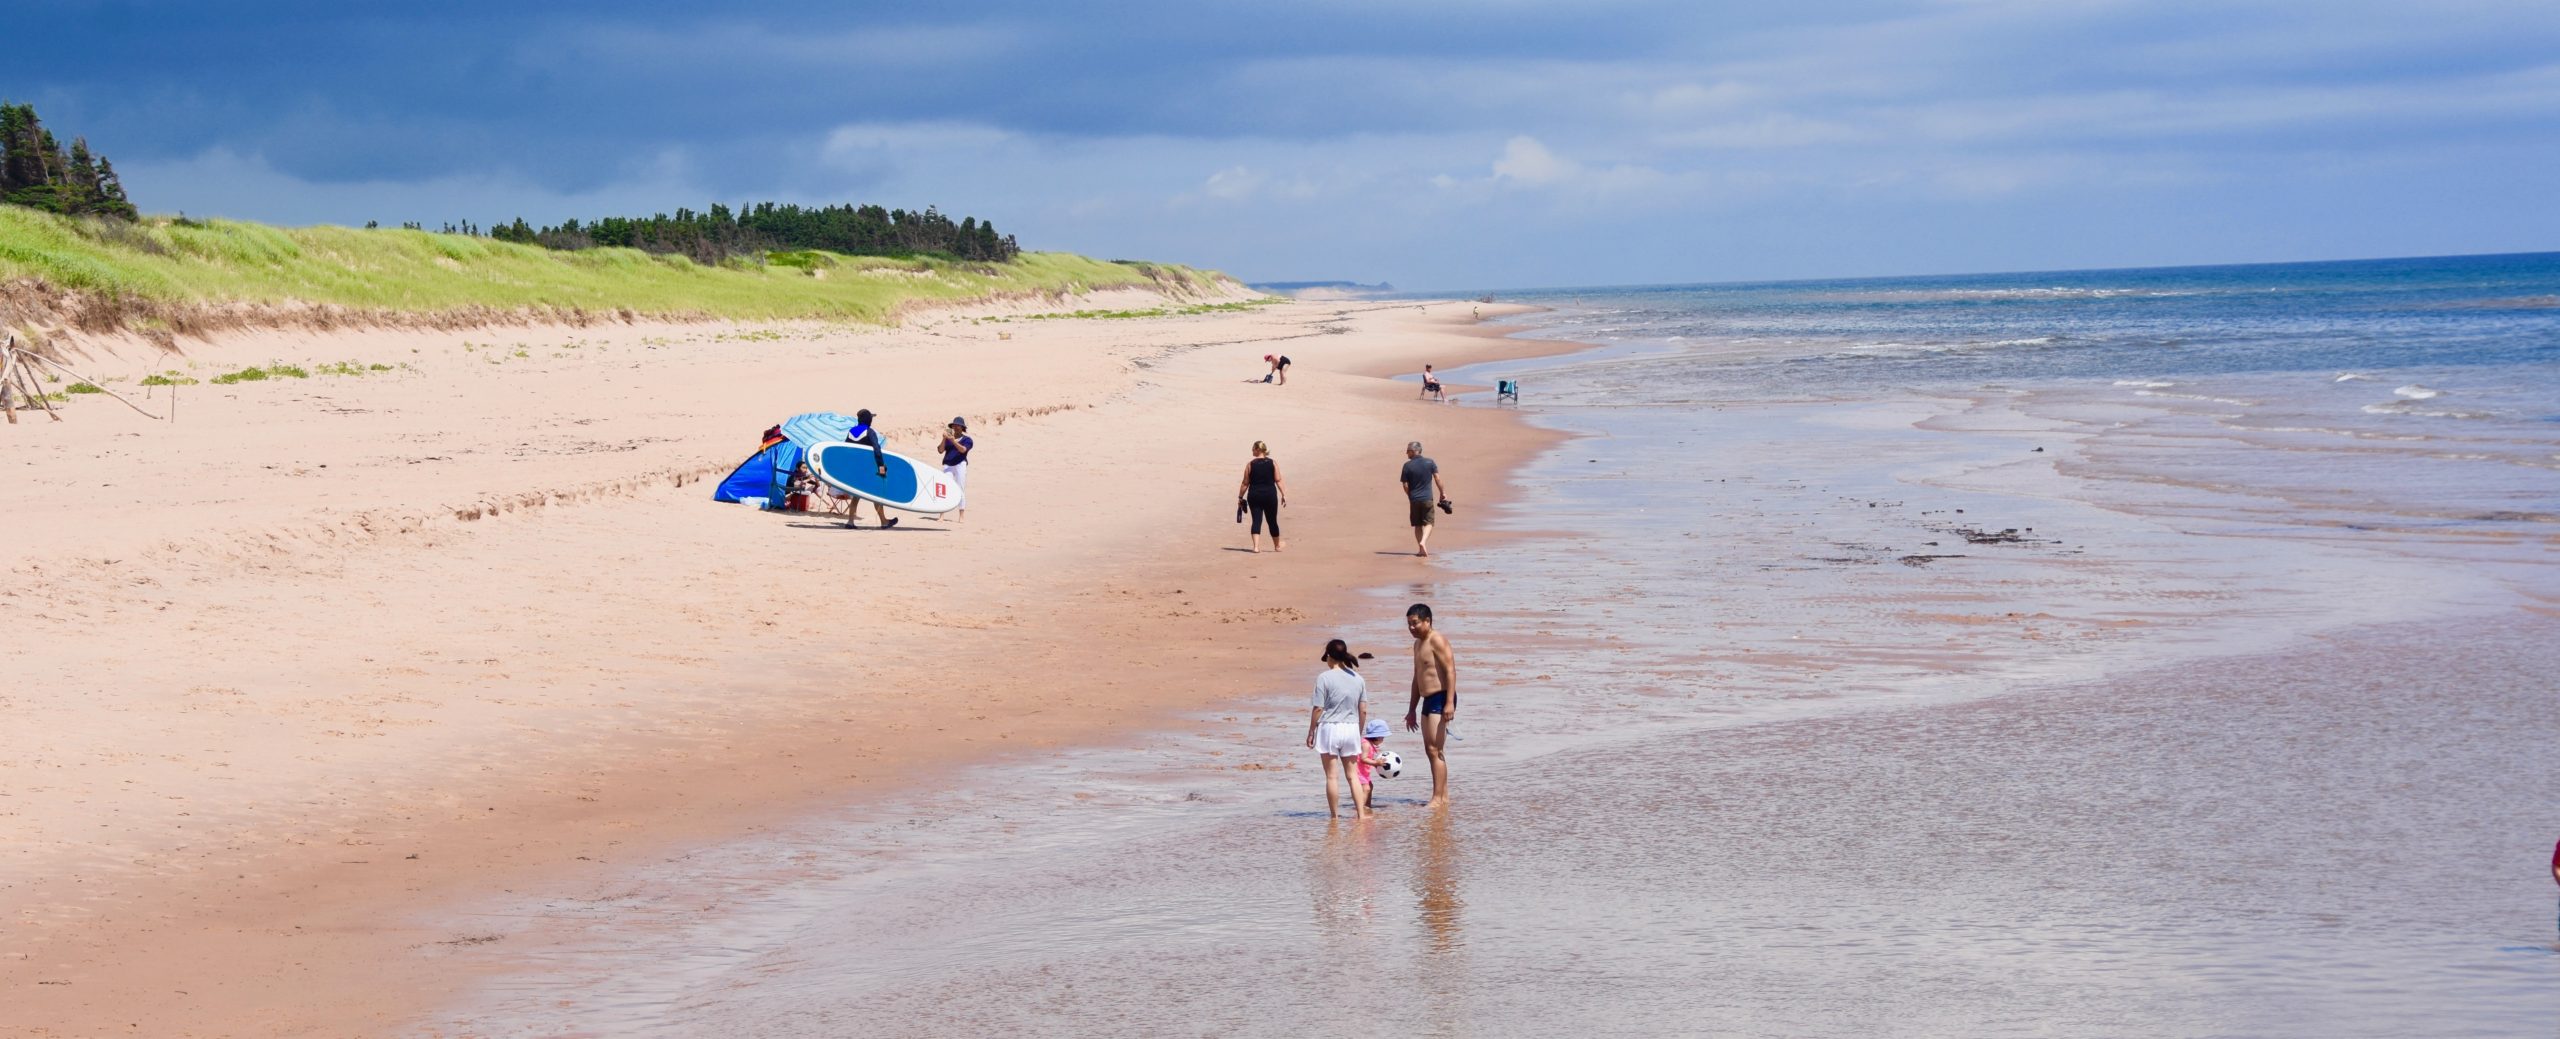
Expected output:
{"points": [[1342, 883], [1443, 973], [1435, 885]]}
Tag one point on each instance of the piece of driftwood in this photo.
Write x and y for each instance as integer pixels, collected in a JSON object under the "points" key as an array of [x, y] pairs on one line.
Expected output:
{"points": [[21, 363]]}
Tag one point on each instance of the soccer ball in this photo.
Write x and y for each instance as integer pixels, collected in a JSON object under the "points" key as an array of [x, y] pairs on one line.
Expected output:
{"points": [[1390, 765]]}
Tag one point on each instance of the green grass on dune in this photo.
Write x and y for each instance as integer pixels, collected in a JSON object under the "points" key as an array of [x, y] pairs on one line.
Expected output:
{"points": [[218, 261]]}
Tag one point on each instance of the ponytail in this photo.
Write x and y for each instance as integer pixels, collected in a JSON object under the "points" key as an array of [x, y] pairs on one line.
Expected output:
{"points": [[1338, 653]]}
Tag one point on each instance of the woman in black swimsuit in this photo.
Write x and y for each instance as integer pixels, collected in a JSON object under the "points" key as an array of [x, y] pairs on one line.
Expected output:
{"points": [[1263, 494]]}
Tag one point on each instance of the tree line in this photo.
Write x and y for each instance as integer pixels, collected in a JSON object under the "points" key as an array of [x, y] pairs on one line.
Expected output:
{"points": [[721, 233], [38, 172]]}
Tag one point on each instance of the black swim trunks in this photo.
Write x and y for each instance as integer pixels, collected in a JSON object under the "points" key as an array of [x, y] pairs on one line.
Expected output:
{"points": [[1436, 703], [1421, 514]]}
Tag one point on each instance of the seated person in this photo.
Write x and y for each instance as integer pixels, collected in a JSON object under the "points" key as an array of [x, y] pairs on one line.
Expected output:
{"points": [[803, 484]]}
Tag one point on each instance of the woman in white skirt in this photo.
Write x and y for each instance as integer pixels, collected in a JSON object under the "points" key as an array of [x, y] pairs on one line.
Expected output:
{"points": [[1340, 709], [955, 462]]}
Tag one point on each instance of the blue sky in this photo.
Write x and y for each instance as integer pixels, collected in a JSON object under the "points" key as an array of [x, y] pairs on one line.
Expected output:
{"points": [[1435, 145]]}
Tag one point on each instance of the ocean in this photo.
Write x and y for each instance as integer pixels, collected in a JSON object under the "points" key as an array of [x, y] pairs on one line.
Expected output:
{"points": [[2144, 653]]}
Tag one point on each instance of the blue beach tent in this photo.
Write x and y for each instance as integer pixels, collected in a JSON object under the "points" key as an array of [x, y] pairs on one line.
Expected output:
{"points": [[765, 477]]}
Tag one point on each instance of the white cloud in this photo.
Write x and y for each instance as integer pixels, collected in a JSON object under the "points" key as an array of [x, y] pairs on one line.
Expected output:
{"points": [[1526, 161], [1234, 182]]}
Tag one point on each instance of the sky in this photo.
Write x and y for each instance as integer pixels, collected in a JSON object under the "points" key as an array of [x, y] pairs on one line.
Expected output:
{"points": [[1434, 145]]}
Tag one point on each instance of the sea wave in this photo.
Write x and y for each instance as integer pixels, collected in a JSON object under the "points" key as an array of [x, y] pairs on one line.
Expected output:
{"points": [[2352, 377], [2147, 384], [2055, 292], [2403, 407], [2413, 391], [1901, 350], [2197, 396], [2504, 303]]}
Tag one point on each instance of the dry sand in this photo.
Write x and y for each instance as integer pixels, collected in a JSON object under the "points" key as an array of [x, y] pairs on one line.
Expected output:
{"points": [[319, 655]]}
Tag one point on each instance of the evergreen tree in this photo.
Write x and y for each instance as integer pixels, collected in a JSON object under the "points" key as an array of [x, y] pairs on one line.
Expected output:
{"points": [[38, 172]]}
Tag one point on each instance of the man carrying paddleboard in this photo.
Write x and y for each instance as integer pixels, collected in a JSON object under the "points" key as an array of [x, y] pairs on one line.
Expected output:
{"points": [[863, 434]]}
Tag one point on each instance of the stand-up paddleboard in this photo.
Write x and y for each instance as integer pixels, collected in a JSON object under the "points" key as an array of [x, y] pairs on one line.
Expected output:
{"points": [[910, 485]]}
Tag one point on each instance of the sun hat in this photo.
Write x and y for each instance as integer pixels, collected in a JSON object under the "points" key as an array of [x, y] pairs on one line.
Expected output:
{"points": [[1377, 730], [959, 421]]}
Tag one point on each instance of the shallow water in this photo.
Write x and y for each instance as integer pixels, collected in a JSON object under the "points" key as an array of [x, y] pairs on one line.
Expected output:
{"points": [[2029, 703], [2245, 847]]}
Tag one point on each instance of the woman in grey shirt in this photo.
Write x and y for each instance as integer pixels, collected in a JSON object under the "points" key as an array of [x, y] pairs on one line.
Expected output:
{"points": [[1334, 721]]}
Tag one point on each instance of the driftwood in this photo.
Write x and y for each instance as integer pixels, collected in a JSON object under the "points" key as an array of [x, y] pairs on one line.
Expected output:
{"points": [[21, 363], [17, 373]]}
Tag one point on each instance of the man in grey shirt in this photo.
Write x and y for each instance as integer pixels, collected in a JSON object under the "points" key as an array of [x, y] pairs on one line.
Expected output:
{"points": [[1422, 490]]}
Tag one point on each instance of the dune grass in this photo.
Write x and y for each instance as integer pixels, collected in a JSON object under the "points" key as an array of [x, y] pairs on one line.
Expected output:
{"points": [[219, 261]]}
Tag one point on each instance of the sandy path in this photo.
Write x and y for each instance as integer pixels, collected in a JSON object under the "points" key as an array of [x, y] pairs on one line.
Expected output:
{"points": [[323, 653]]}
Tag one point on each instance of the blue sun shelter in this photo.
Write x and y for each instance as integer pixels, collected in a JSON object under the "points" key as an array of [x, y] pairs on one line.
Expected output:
{"points": [[765, 477]]}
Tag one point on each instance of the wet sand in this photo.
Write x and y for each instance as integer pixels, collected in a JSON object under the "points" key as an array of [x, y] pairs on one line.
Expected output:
{"points": [[2243, 847], [1744, 753], [323, 658]]}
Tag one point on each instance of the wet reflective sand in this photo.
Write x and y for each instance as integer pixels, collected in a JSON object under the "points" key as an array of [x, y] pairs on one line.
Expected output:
{"points": [[2250, 847], [1744, 753]]}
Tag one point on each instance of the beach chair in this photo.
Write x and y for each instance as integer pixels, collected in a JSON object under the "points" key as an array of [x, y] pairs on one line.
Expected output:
{"points": [[1506, 390]]}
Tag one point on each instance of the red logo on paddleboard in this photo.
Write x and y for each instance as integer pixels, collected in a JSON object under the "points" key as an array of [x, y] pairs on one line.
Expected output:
{"points": [[941, 490]]}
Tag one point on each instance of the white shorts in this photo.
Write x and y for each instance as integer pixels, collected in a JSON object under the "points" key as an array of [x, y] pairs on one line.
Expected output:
{"points": [[1340, 739]]}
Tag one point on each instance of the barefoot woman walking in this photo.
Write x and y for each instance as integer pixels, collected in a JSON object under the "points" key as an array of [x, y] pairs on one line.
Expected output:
{"points": [[1263, 493]]}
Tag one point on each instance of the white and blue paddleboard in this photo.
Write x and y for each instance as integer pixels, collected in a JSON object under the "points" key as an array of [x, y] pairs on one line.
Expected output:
{"points": [[909, 485]]}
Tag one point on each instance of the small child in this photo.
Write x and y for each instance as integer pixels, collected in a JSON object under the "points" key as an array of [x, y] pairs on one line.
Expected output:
{"points": [[1376, 737]]}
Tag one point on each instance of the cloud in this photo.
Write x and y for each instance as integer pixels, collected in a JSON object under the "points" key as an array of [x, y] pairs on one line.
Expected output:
{"points": [[1234, 182], [1525, 161], [1407, 141]]}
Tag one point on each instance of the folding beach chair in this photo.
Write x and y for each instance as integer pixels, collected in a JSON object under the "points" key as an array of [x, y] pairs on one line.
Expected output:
{"points": [[1506, 390]]}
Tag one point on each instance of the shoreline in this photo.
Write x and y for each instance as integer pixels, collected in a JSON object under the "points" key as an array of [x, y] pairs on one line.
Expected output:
{"points": [[781, 930], [300, 933], [1189, 866]]}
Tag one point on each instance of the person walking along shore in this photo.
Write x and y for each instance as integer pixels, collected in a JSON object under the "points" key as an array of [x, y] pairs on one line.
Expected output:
{"points": [[1422, 490], [1334, 723], [1434, 703], [1262, 493]]}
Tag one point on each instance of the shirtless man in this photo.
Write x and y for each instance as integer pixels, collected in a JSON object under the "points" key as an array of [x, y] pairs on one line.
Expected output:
{"points": [[1435, 696]]}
